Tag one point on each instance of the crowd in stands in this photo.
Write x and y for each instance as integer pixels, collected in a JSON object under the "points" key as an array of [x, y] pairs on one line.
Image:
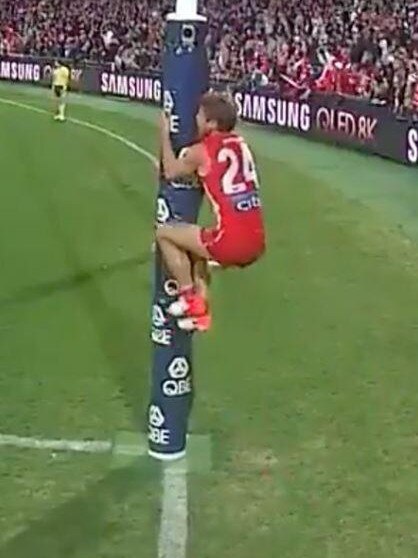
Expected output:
{"points": [[366, 48]]}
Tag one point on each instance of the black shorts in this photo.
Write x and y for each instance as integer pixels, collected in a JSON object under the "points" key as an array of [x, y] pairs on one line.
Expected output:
{"points": [[58, 91]]}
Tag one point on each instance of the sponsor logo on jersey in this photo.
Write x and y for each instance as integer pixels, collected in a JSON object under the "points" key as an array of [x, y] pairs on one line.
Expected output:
{"points": [[247, 201]]}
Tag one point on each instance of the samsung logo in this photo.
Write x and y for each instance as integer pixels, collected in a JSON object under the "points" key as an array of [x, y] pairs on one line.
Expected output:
{"points": [[412, 146], [20, 71], [133, 87], [272, 110]]}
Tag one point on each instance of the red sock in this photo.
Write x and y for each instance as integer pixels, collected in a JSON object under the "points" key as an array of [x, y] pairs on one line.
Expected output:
{"points": [[186, 291]]}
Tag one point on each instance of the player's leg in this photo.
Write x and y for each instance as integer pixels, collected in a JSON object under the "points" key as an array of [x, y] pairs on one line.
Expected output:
{"points": [[55, 93], [177, 263], [62, 104], [59, 95], [185, 237], [201, 280], [201, 275], [179, 244]]}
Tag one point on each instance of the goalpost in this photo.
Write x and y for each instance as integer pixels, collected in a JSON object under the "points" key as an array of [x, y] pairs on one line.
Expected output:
{"points": [[185, 79]]}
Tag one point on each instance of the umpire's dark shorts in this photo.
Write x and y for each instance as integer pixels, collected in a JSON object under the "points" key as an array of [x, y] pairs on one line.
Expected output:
{"points": [[58, 91]]}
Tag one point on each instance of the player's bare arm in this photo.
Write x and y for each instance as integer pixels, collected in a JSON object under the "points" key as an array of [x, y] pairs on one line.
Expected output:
{"points": [[174, 167]]}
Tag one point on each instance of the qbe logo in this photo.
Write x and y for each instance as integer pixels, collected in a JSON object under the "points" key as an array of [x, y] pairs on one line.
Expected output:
{"points": [[163, 211], [169, 109], [178, 367], [180, 381], [158, 318], [156, 417], [160, 335], [171, 287], [412, 146], [156, 433]]}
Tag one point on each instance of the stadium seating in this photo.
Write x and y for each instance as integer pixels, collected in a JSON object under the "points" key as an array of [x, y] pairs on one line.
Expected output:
{"points": [[354, 47]]}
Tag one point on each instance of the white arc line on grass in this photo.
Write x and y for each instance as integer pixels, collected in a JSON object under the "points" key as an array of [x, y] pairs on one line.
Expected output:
{"points": [[90, 126], [172, 540]]}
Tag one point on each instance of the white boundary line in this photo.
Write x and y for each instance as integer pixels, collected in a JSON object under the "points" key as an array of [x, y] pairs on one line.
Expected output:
{"points": [[172, 540], [76, 446], [55, 445]]}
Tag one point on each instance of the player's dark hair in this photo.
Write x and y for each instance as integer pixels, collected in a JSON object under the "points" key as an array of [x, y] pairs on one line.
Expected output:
{"points": [[221, 109]]}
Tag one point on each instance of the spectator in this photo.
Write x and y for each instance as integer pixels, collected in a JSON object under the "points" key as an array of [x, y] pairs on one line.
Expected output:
{"points": [[356, 47]]}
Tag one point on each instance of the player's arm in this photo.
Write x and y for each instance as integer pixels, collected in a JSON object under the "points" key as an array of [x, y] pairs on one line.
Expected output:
{"points": [[186, 165]]}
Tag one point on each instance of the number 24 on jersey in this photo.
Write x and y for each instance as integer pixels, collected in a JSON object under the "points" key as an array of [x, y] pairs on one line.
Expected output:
{"points": [[240, 165]]}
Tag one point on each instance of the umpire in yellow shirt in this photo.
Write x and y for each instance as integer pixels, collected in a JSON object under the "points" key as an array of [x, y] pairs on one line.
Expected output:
{"points": [[60, 84]]}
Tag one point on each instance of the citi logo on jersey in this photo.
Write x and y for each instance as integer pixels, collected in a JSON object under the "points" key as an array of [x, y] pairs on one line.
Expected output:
{"points": [[246, 202]]}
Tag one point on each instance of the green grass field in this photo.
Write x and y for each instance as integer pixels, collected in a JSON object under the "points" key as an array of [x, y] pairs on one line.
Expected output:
{"points": [[307, 384]]}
